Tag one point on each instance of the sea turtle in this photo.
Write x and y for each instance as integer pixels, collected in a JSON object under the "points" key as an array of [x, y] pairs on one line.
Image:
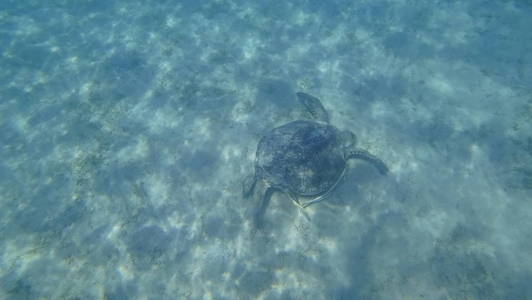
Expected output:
{"points": [[304, 159]]}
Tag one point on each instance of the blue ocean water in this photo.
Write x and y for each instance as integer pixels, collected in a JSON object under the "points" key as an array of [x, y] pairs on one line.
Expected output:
{"points": [[127, 129]]}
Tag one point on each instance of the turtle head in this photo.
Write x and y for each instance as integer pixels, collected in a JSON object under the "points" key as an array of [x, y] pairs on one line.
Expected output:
{"points": [[313, 107], [349, 140]]}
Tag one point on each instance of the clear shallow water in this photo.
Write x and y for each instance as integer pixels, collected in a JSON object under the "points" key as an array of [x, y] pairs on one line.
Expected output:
{"points": [[127, 128]]}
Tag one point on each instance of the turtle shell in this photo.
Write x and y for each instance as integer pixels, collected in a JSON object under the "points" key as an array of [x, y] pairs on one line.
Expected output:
{"points": [[303, 157]]}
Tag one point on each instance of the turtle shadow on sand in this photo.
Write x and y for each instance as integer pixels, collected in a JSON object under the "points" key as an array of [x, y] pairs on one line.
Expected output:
{"points": [[305, 159]]}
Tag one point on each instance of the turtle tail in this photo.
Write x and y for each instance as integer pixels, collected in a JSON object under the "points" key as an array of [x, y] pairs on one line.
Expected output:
{"points": [[365, 155]]}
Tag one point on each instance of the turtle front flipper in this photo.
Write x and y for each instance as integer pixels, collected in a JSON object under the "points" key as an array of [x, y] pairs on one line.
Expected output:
{"points": [[365, 155], [313, 106]]}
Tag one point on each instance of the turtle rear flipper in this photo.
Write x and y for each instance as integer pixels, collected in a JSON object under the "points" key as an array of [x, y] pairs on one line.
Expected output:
{"points": [[365, 155], [248, 186], [260, 210], [313, 106]]}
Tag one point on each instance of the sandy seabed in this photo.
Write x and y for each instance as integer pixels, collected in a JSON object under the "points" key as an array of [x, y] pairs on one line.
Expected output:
{"points": [[127, 129]]}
